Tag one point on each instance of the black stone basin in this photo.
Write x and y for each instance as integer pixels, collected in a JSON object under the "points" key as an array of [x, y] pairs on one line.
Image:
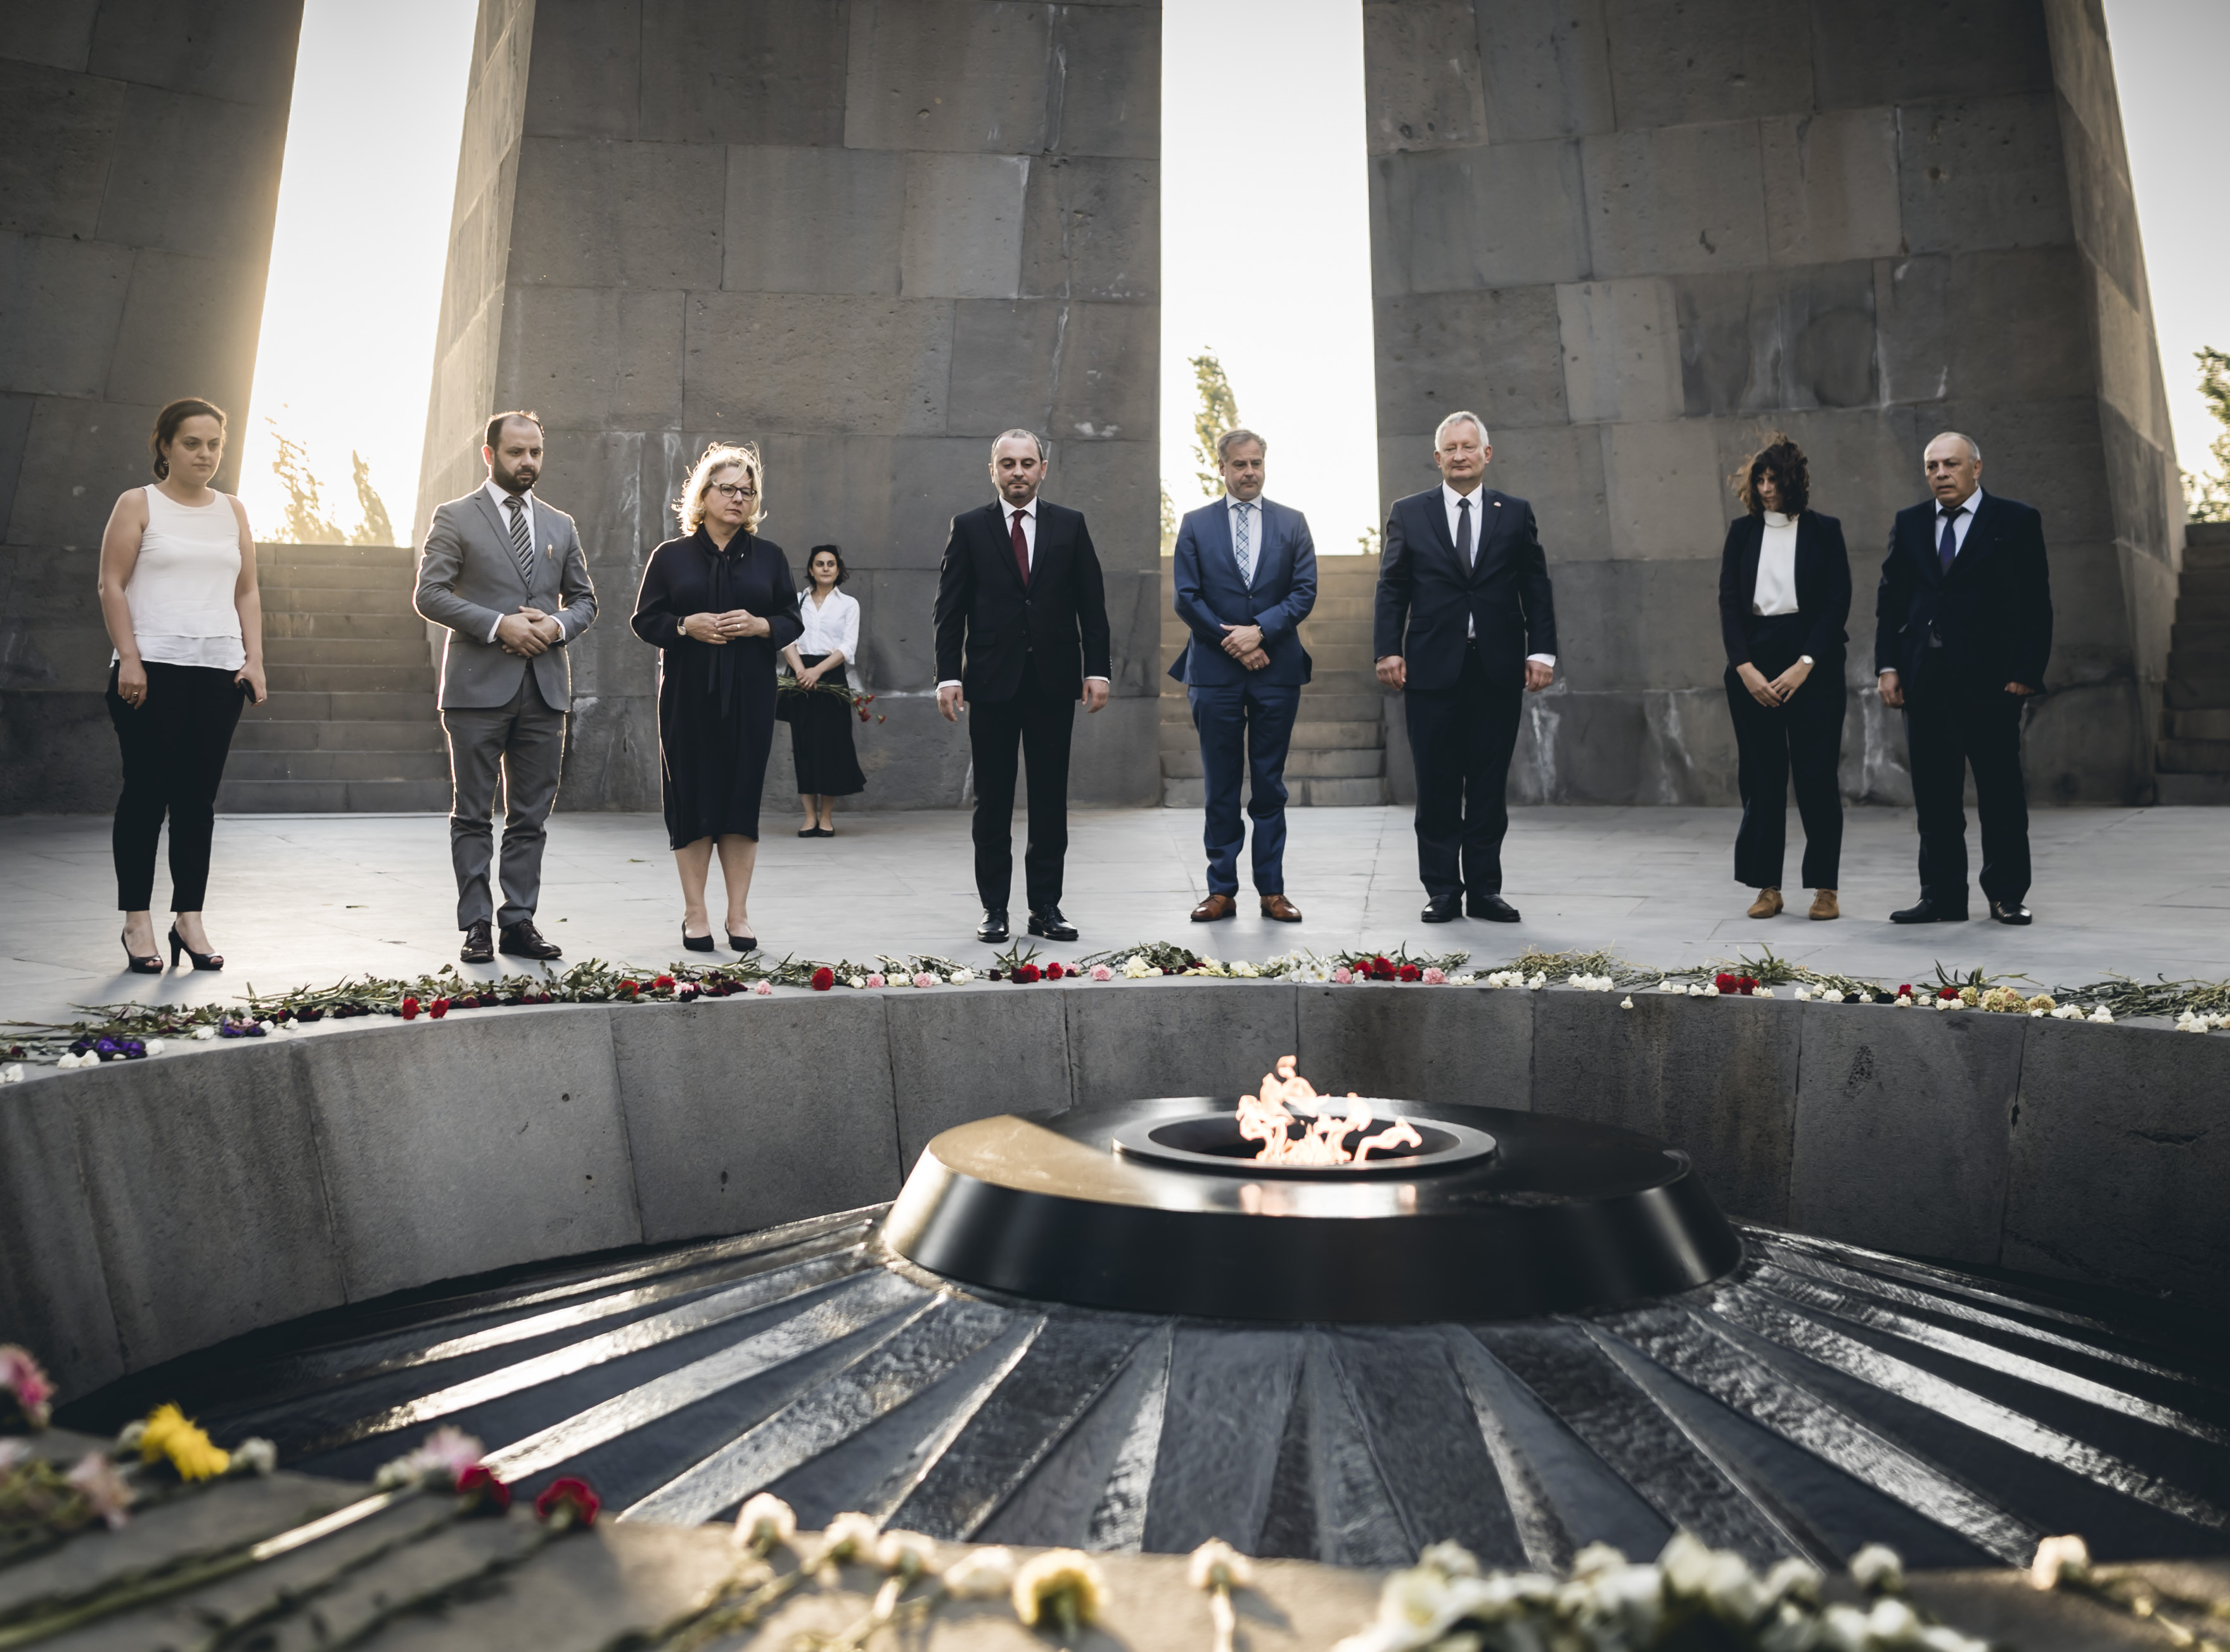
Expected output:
{"points": [[1148, 1209]]}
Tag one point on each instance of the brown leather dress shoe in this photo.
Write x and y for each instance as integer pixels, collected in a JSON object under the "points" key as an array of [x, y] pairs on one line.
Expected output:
{"points": [[480, 945], [1824, 905], [523, 940], [1217, 906], [1281, 910], [1768, 904]]}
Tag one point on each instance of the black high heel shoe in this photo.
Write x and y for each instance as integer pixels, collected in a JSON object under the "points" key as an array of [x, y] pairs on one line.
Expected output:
{"points": [[149, 965], [744, 943], [697, 942], [202, 960]]}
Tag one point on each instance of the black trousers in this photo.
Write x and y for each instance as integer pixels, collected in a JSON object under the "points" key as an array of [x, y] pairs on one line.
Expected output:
{"points": [[1462, 739], [1804, 738], [175, 743], [1037, 726], [1952, 726]]}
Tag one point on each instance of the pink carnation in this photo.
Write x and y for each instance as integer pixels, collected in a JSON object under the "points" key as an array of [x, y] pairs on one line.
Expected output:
{"points": [[765, 990], [106, 1493], [686, 989], [876, 981], [925, 980], [19, 1375], [1101, 972], [1342, 975], [1436, 978]]}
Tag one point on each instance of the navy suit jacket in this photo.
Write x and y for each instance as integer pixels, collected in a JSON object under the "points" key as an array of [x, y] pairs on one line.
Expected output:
{"points": [[1210, 597], [1993, 609], [1428, 601]]}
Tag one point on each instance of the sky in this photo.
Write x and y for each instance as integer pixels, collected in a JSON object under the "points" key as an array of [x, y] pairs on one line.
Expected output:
{"points": [[1265, 237], [346, 359]]}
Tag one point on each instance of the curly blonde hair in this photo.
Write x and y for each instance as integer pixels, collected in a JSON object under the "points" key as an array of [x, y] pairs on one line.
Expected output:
{"points": [[717, 457]]}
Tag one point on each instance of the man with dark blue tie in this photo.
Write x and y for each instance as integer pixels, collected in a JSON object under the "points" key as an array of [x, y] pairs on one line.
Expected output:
{"points": [[1246, 579], [1962, 630], [1465, 628]]}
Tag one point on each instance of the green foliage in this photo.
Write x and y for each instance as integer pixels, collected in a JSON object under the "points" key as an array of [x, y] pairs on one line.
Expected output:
{"points": [[306, 520], [1371, 540], [1219, 411], [1169, 522], [376, 529], [2207, 498]]}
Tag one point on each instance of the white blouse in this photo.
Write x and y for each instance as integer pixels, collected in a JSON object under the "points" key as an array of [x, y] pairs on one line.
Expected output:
{"points": [[1775, 591], [831, 627], [182, 582]]}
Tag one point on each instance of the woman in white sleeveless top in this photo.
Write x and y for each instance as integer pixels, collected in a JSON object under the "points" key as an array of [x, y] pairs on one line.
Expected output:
{"points": [[178, 592]]}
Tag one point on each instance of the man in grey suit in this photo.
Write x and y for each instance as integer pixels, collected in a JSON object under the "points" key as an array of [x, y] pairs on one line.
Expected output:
{"points": [[504, 571]]}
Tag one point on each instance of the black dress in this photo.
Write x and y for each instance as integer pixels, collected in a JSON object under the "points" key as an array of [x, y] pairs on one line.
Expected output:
{"points": [[715, 700]]}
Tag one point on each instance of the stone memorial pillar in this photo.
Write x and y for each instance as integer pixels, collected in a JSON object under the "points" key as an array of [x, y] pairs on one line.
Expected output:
{"points": [[868, 234], [1633, 237]]}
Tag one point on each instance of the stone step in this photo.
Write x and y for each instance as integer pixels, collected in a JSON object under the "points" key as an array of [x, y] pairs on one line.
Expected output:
{"points": [[262, 734], [1364, 792], [339, 651], [2194, 757], [2188, 692], [270, 555], [353, 624], [1343, 657], [2203, 554], [2206, 588], [354, 679], [2203, 638], [1183, 763], [333, 797], [1329, 736], [1342, 610], [317, 705], [1331, 707], [2212, 725], [323, 575], [1329, 680], [2206, 790], [338, 766]]}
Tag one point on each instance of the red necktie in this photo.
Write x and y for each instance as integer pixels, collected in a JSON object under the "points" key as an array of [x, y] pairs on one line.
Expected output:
{"points": [[1021, 550]]}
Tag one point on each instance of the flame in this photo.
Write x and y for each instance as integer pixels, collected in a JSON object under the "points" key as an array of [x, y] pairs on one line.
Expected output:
{"points": [[1267, 1118]]}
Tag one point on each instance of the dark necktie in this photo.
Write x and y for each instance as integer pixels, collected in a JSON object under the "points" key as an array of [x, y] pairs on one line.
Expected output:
{"points": [[1021, 550], [522, 542], [1463, 531], [1948, 552]]}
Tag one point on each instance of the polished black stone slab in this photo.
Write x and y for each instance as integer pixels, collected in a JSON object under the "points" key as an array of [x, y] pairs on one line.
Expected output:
{"points": [[1145, 1208]]}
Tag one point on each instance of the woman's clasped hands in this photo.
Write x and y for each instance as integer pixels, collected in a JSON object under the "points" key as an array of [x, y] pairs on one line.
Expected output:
{"points": [[1780, 690], [721, 629]]}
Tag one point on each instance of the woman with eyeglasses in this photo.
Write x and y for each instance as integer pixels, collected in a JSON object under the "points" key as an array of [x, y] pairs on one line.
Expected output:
{"points": [[719, 605]]}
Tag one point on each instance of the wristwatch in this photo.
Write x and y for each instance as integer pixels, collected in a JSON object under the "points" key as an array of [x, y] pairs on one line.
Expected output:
{"points": [[1807, 659]]}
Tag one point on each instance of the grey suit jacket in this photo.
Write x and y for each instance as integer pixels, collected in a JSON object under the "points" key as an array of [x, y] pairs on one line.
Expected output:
{"points": [[468, 580]]}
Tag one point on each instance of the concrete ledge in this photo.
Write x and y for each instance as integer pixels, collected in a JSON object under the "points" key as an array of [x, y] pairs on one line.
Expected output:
{"points": [[152, 1208]]}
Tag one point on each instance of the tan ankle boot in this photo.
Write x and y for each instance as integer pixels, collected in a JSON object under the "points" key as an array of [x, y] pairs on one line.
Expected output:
{"points": [[1768, 904], [1823, 904]]}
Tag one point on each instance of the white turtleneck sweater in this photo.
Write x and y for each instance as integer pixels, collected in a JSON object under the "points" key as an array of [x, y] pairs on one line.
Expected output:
{"points": [[1775, 591]]}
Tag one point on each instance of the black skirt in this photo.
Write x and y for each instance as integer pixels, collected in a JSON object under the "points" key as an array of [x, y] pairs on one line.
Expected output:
{"points": [[821, 738]]}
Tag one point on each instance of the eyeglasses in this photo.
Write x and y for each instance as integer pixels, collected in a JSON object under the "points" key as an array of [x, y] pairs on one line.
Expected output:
{"points": [[735, 490]]}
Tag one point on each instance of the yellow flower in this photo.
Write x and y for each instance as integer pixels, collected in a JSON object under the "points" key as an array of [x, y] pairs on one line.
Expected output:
{"points": [[169, 1435], [1062, 1586]]}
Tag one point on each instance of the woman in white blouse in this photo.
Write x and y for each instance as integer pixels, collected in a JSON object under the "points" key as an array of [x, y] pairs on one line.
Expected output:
{"points": [[820, 724], [1784, 593], [179, 594]]}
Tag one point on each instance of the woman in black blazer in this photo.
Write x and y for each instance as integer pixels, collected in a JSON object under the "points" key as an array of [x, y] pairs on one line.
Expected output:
{"points": [[1784, 593]]}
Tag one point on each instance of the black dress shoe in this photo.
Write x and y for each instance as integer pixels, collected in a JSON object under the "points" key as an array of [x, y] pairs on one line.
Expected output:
{"points": [[1491, 907], [743, 943], [993, 929], [1051, 925], [1443, 912], [480, 945], [2014, 913], [523, 940], [1930, 910], [696, 943]]}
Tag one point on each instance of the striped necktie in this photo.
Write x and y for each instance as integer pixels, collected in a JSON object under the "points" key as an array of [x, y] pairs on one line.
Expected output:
{"points": [[522, 542]]}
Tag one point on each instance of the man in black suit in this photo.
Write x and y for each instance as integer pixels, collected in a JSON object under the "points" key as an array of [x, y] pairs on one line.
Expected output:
{"points": [[1466, 627], [1021, 636], [1962, 629]]}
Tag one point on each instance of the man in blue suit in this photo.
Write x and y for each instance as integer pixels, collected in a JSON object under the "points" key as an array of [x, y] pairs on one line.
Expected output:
{"points": [[1246, 579], [1465, 628]]}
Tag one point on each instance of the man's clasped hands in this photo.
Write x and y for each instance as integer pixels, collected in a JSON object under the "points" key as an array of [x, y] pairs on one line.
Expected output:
{"points": [[1244, 644]]}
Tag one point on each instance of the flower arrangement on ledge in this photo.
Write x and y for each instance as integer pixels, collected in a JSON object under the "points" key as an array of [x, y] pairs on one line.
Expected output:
{"points": [[134, 1032]]}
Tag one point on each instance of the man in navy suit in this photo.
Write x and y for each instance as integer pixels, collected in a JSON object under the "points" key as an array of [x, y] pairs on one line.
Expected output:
{"points": [[1246, 579], [1962, 629], [1465, 628], [1021, 637]]}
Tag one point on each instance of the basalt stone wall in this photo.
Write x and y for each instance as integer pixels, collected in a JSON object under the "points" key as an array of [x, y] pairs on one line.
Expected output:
{"points": [[1635, 236], [868, 234], [140, 154], [148, 1209]]}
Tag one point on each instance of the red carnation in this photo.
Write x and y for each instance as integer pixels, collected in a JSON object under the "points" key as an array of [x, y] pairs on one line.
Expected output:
{"points": [[1411, 972], [1905, 991], [410, 1009], [483, 1493], [664, 984], [438, 1008], [823, 978], [1723, 981], [570, 1499], [1947, 992], [1028, 972], [1054, 971]]}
